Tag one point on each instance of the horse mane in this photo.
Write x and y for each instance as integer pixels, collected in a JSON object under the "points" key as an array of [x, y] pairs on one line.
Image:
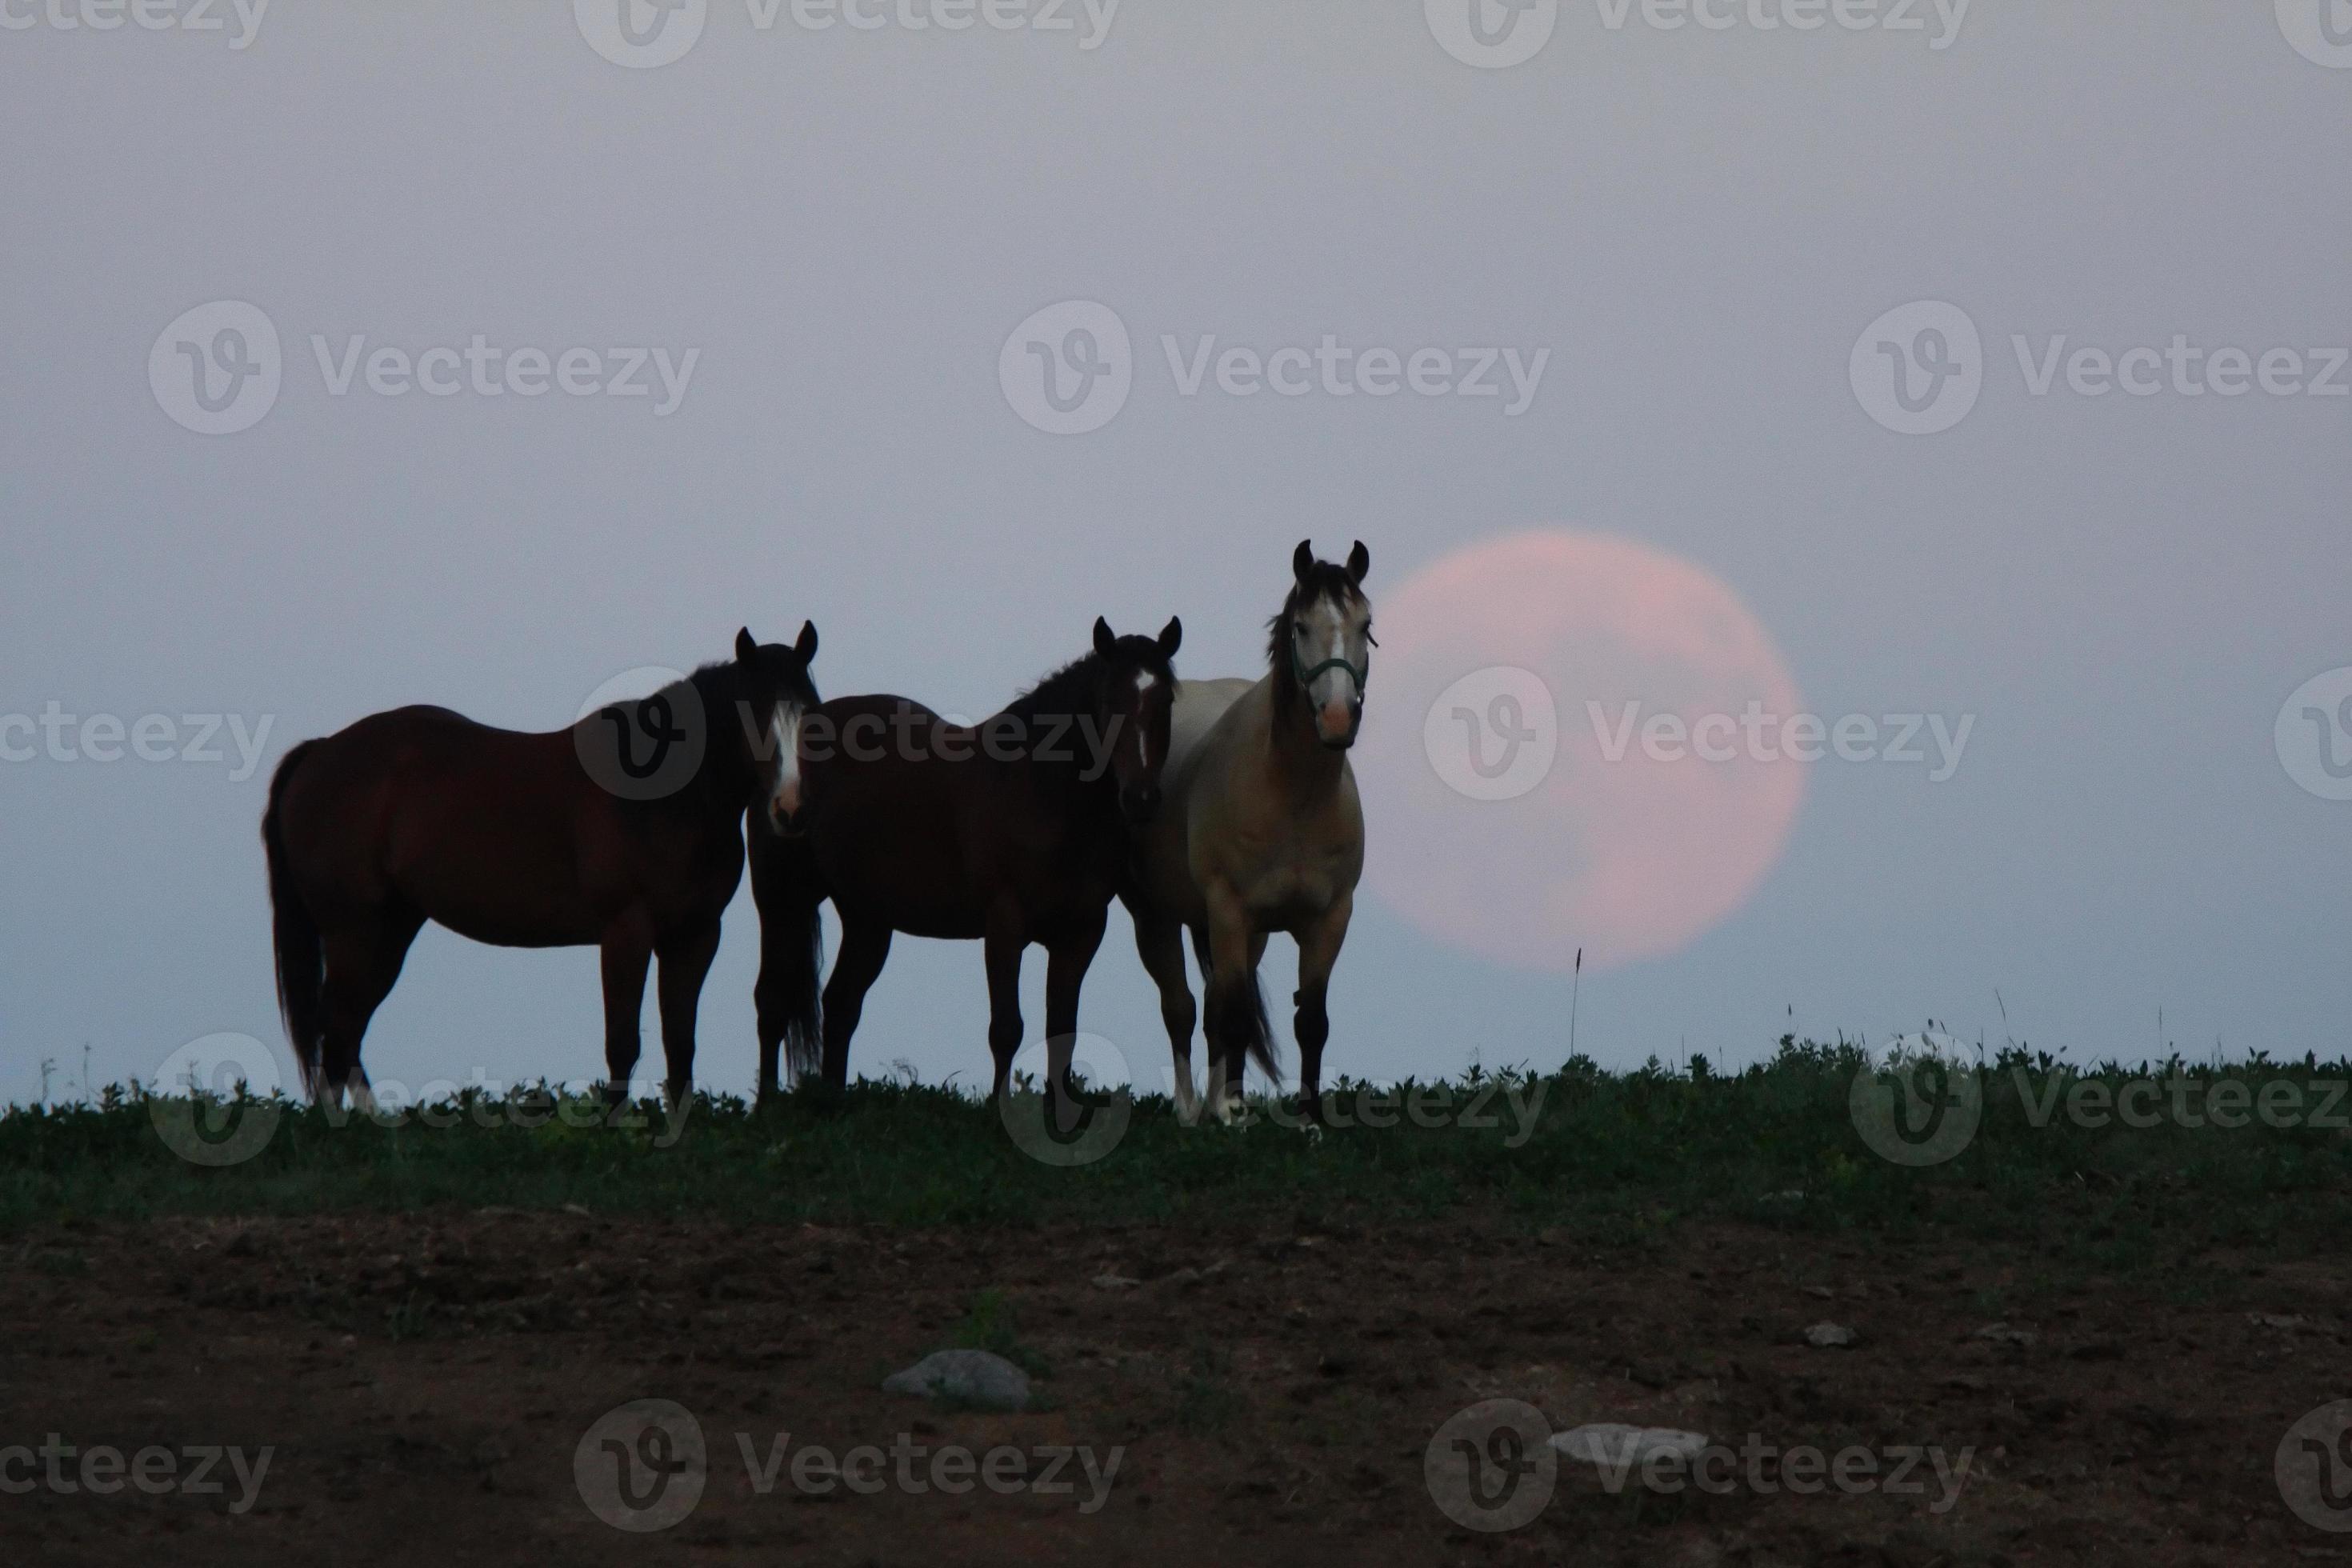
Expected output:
{"points": [[1323, 581], [1069, 690]]}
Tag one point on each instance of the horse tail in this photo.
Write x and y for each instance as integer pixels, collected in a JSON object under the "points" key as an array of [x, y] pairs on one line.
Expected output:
{"points": [[786, 889], [301, 958], [1259, 1041]]}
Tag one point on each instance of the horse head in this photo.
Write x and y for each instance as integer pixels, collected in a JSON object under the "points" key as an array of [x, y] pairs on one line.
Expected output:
{"points": [[1133, 700], [1322, 641], [776, 695]]}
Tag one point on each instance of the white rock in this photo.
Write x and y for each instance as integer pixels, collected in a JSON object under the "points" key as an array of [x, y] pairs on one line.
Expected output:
{"points": [[973, 1377], [1830, 1336], [1615, 1445]]}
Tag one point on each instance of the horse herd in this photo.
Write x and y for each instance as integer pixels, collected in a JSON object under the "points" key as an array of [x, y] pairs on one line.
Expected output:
{"points": [[1225, 809]]}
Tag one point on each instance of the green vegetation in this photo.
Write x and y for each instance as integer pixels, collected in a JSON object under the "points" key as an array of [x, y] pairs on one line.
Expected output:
{"points": [[1604, 1158]]}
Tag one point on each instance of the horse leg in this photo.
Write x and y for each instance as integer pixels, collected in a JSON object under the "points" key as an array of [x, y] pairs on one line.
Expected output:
{"points": [[1002, 948], [627, 948], [1319, 950], [863, 948], [685, 960], [1160, 943], [363, 961], [1232, 1002], [1066, 962]]}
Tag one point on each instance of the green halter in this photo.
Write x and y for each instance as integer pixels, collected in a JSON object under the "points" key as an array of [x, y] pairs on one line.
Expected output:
{"points": [[1307, 677]]}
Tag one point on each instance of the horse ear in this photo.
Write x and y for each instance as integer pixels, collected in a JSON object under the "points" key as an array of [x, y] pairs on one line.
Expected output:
{"points": [[1302, 560], [744, 645], [1105, 643], [806, 646], [1171, 637], [1360, 561]]}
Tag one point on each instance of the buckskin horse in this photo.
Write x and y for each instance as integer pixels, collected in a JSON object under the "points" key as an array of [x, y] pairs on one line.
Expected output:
{"points": [[1262, 832], [1011, 831], [621, 832]]}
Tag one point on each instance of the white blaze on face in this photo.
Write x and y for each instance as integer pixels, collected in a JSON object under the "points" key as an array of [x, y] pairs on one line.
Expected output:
{"points": [[1144, 681], [1331, 633], [784, 755]]}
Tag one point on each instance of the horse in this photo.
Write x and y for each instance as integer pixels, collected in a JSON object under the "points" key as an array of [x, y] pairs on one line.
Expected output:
{"points": [[621, 832], [1011, 831], [1262, 832]]}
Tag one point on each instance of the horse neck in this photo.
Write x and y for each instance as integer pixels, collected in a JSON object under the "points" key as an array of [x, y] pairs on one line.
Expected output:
{"points": [[727, 777], [1297, 763]]}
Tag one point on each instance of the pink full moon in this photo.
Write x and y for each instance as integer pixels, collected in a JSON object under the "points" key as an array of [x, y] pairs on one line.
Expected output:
{"points": [[1562, 749]]}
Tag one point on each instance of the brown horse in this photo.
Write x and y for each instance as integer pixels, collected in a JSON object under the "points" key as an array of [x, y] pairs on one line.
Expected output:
{"points": [[621, 832], [1263, 833], [1010, 832]]}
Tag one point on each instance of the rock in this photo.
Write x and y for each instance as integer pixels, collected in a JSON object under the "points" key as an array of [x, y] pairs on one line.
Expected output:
{"points": [[970, 1378], [2279, 1321], [1616, 1446], [1831, 1337], [2002, 1334], [1112, 1279]]}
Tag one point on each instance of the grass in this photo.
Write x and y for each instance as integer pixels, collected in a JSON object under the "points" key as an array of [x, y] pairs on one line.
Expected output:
{"points": [[1612, 1159]]}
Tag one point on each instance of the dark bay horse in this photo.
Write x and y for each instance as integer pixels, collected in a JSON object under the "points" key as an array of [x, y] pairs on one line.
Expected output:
{"points": [[1010, 832], [621, 832]]}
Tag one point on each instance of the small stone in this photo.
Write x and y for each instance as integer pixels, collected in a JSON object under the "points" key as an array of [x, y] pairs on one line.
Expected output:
{"points": [[2279, 1321], [2003, 1334], [971, 1377], [1615, 1445], [1831, 1337], [1112, 1279]]}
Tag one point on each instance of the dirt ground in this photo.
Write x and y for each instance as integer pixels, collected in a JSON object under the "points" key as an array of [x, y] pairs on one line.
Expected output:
{"points": [[424, 1384]]}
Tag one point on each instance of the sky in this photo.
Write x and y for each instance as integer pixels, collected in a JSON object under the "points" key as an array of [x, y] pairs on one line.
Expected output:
{"points": [[765, 294]]}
